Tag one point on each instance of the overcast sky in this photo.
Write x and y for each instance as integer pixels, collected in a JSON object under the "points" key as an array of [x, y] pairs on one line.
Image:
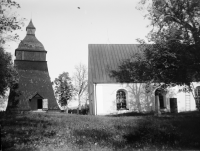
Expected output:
{"points": [[66, 27]]}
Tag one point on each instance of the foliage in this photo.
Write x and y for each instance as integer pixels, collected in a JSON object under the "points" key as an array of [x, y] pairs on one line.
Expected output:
{"points": [[173, 20], [56, 131], [173, 56], [13, 99], [9, 21], [8, 75], [63, 88], [197, 103], [8, 79], [170, 64], [80, 82]]}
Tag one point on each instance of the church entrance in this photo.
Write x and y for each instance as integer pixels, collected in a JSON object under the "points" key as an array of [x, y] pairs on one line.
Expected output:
{"points": [[36, 102], [39, 103], [160, 100], [173, 105]]}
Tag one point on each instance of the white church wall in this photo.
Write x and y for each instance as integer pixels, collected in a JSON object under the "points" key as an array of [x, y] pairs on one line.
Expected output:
{"points": [[105, 98], [100, 103], [181, 101], [181, 97]]}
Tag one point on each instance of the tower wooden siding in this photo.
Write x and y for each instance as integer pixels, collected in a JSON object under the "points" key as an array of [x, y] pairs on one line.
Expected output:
{"points": [[32, 56]]}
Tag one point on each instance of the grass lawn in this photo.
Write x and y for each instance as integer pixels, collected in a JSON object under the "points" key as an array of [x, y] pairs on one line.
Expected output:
{"points": [[48, 131]]}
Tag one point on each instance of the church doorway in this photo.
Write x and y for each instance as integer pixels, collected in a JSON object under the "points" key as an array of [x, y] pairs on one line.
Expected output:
{"points": [[39, 103], [173, 105], [160, 97], [161, 101], [36, 102]]}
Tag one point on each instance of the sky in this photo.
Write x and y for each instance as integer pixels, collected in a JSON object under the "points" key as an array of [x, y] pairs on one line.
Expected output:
{"points": [[66, 27]]}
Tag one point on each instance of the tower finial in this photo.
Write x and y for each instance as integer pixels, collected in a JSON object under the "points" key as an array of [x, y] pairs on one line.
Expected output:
{"points": [[30, 28]]}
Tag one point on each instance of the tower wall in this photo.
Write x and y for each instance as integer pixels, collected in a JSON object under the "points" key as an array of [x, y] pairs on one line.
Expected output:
{"points": [[31, 65], [34, 78], [31, 55]]}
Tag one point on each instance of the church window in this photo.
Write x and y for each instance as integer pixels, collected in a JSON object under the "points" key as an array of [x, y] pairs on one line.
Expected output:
{"points": [[121, 99]]}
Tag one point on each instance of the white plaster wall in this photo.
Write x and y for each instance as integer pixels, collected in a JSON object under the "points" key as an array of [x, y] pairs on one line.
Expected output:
{"points": [[106, 98], [175, 93], [100, 103]]}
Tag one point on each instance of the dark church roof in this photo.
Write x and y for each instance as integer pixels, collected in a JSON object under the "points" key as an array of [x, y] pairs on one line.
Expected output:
{"points": [[106, 57], [30, 42]]}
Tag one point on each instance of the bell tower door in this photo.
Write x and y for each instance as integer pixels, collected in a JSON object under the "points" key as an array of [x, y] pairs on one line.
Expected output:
{"points": [[39, 103]]}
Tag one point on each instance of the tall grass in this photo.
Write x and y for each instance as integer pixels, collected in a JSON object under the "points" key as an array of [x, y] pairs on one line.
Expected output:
{"points": [[45, 131]]}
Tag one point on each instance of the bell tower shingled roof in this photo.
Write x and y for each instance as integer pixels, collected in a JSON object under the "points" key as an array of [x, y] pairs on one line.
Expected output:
{"points": [[30, 42]]}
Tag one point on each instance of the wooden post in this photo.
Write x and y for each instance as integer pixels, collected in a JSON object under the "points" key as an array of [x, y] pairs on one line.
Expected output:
{"points": [[79, 104], [157, 105], [0, 139]]}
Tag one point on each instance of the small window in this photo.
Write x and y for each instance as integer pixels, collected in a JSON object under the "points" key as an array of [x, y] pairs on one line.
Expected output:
{"points": [[121, 99]]}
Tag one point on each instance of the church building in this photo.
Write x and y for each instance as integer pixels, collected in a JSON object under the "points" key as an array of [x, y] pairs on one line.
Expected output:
{"points": [[107, 96], [34, 82]]}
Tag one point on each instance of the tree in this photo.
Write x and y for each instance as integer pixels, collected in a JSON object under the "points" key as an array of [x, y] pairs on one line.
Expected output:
{"points": [[80, 82], [8, 78], [8, 74], [9, 21], [172, 20], [173, 57], [63, 89]]}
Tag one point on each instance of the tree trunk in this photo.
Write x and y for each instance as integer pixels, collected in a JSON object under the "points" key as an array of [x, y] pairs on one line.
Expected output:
{"points": [[138, 103], [66, 110], [79, 104], [157, 106]]}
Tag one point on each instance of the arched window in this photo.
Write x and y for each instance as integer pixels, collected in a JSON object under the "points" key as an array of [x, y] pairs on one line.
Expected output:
{"points": [[197, 97], [121, 99]]}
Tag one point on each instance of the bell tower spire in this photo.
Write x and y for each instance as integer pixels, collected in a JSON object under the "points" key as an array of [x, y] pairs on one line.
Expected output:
{"points": [[30, 28]]}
